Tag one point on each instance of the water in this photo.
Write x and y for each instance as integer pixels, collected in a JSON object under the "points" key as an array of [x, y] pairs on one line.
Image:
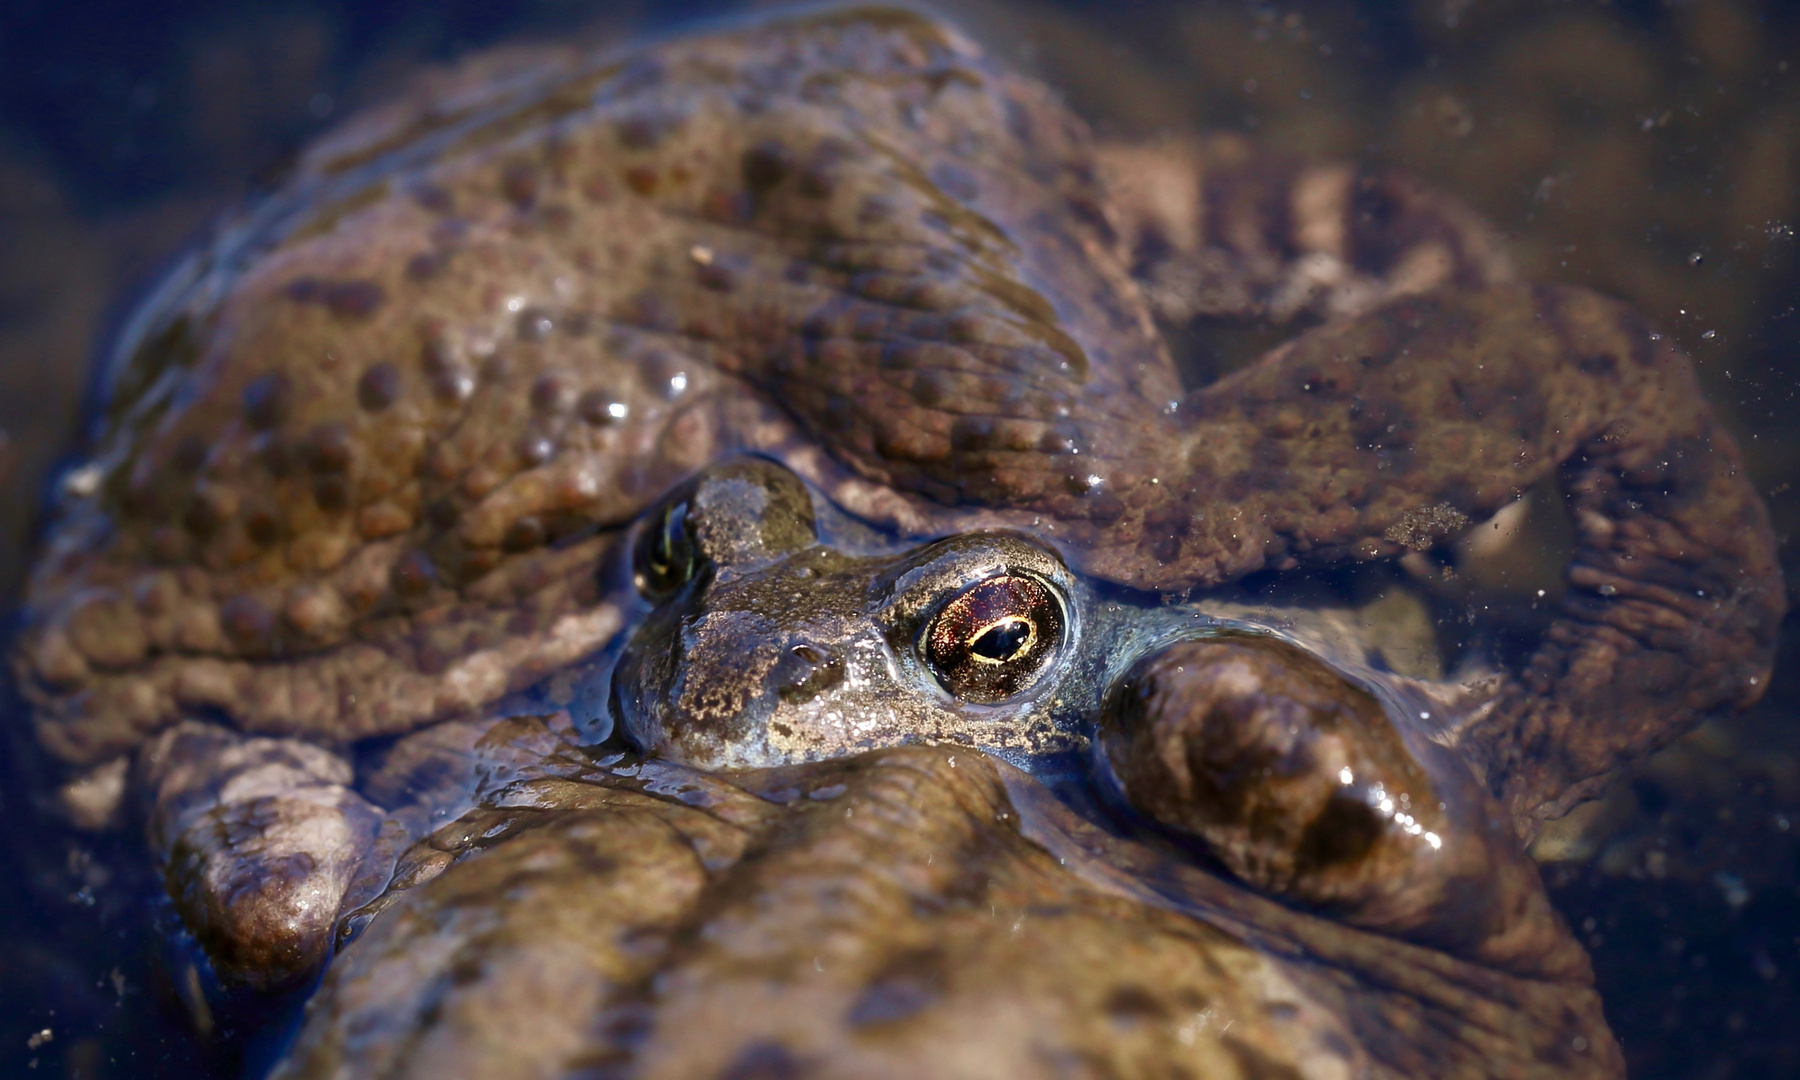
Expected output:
{"points": [[1651, 150]]}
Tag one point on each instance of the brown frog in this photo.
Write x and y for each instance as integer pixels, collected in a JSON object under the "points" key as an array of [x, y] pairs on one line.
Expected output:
{"points": [[339, 595]]}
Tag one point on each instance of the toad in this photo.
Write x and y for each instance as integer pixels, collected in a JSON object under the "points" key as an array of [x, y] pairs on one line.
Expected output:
{"points": [[702, 561]]}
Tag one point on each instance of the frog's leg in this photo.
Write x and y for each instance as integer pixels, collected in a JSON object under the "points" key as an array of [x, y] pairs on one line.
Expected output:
{"points": [[265, 842], [259, 839], [1304, 787], [1395, 430]]}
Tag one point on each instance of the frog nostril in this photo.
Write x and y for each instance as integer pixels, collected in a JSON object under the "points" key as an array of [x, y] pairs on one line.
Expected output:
{"points": [[807, 671]]}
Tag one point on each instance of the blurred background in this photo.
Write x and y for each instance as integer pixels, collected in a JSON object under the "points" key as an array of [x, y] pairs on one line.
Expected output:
{"points": [[1649, 148]]}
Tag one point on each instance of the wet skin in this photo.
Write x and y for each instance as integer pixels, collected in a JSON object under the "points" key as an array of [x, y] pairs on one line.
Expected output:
{"points": [[333, 606], [1264, 731]]}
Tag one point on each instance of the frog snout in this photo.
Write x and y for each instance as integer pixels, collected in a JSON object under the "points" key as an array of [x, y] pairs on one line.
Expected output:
{"points": [[807, 668]]}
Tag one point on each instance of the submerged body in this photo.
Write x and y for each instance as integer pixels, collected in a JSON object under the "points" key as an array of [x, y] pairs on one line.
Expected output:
{"points": [[366, 499]]}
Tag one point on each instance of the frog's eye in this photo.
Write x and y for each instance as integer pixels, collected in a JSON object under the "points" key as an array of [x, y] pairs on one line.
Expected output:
{"points": [[666, 557], [993, 639]]}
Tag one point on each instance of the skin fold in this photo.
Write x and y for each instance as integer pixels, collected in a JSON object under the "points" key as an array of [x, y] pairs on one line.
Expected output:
{"points": [[378, 464]]}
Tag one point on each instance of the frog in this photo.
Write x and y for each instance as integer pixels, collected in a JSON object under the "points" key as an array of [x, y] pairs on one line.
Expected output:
{"points": [[445, 593], [796, 710]]}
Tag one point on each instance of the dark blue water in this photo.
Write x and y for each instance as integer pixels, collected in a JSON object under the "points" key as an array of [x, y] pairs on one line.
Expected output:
{"points": [[125, 125]]}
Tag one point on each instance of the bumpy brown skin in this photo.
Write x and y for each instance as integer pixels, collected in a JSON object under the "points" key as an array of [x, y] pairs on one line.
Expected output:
{"points": [[895, 914], [1270, 759], [366, 453]]}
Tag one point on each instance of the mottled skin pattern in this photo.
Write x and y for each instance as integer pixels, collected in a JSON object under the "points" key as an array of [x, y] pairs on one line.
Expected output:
{"points": [[366, 457], [910, 912]]}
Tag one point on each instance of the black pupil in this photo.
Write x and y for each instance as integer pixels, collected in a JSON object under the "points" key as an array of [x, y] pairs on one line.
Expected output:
{"points": [[1002, 642], [669, 542]]}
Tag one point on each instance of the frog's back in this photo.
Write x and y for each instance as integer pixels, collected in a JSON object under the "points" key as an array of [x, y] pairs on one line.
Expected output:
{"points": [[363, 455]]}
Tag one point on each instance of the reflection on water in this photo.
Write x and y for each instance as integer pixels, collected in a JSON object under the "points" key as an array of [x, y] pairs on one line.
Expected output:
{"points": [[1650, 150]]}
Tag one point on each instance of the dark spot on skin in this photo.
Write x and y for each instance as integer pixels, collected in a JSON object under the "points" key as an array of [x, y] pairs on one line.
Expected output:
{"points": [[413, 574], [329, 448], [549, 392], [764, 1061], [889, 1001], [535, 448], [716, 275], [355, 299], [245, 620], [346, 299], [534, 324], [520, 184], [434, 198], [524, 534], [426, 265], [641, 179], [266, 400], [765, 165], [1342, 833], [597, 407], [331, 493], [306, 290], [263, 527], [1132, 1004], [442, 515], [1598, 364], [379, 387], [645, 132]]}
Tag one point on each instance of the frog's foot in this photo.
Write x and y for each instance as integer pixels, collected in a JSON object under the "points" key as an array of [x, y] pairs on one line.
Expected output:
{"points": [[1213, 228], [259, 839], [1297, 781]]}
